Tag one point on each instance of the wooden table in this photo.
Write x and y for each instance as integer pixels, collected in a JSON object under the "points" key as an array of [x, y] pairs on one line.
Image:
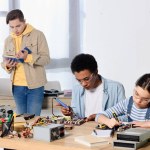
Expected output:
{"points": [[66, 143]]}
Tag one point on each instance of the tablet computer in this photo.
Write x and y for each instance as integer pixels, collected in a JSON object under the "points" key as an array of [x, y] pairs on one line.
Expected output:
{"points": [[13, 58]]}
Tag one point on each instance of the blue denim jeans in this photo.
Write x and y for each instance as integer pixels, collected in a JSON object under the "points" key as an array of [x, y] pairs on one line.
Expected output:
{"points": [[28, 100]]}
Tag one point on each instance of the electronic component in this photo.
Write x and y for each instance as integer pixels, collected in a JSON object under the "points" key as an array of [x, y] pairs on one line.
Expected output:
{"points": [[48, 133], [57, 119], [124, 127], [28, 116], [134, 134], [132, 138], [102, 126], [76, 122], [69, 126], [8, 125], [4, 110], [128, 144]]}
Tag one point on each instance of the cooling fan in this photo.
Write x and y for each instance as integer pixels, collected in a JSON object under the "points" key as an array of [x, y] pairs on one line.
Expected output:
{"points": [[54, 134], [61, 132], [57, 133]]}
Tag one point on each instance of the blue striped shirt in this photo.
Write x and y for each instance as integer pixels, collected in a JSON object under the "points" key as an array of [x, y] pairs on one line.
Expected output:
{"points": [[137, 114]]}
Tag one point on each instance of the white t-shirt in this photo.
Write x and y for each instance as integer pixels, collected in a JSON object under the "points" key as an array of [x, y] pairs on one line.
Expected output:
{"points": [[93, 100]]}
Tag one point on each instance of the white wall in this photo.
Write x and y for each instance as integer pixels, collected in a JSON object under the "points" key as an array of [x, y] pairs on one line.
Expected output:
{"points": [[63, 75], [117, 33]]}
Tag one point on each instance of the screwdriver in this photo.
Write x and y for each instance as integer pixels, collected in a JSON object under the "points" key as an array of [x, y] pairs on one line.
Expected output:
{"points": [[115, 116]]}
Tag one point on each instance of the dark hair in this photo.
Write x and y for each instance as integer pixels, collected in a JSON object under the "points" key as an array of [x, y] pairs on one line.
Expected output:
{"points": [[82, 62], [15, 14], [144, 82]]}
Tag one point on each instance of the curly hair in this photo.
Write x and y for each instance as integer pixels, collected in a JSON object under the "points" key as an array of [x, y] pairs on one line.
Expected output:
{"points": [[82, 62]]}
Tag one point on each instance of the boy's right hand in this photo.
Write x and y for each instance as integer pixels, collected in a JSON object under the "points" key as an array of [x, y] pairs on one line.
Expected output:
{"points": [[66, 111]]}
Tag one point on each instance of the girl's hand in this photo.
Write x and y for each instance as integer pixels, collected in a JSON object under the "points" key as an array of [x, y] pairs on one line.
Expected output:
{"points": [[112, 122], [142, 124]]}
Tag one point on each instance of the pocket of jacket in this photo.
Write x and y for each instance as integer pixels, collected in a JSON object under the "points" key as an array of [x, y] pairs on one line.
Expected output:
{"points": [[32, 45]]}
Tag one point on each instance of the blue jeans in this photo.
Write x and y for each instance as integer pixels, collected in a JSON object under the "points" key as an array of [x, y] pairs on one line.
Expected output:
{"points": [[28, 100]]}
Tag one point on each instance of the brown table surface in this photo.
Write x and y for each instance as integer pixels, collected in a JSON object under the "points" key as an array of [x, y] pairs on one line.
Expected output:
{"points": [[66, 143]]}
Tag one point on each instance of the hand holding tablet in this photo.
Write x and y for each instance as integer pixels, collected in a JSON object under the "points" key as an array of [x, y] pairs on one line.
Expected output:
{"points": [[13, 58]]}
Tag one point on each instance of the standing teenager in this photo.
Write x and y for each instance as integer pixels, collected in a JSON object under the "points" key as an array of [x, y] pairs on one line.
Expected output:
{"points": [[28, 75]]}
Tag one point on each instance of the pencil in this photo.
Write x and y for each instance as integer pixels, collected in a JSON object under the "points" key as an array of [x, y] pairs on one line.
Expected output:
{"points": [[95, 132]]}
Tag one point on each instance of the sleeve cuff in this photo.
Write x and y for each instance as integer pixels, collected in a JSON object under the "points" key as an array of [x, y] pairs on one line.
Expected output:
{"points": [[29, 58], [96, 118], [8, 70], [101, 113]]}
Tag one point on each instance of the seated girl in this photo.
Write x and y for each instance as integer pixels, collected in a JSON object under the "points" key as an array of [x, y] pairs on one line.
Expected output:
{"points": [[135, 109]]}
